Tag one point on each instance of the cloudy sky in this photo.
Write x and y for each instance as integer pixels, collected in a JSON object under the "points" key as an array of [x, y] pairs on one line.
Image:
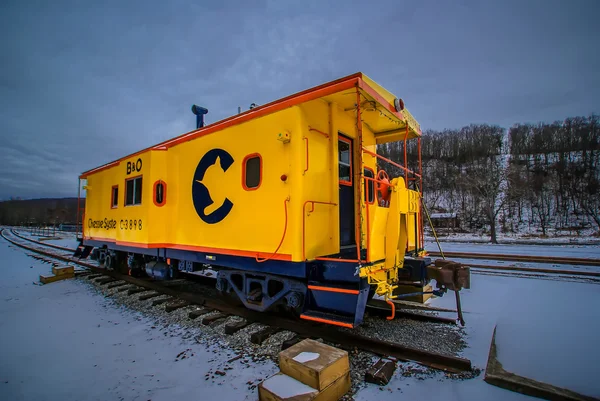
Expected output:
{"points": [[83, 83]]}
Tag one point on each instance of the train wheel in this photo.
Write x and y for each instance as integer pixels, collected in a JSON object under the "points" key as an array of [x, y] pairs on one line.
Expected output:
{"points": [[294, 303]]}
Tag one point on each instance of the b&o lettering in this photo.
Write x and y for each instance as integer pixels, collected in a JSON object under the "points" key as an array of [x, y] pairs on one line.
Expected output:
{"points": [[134, 167]]}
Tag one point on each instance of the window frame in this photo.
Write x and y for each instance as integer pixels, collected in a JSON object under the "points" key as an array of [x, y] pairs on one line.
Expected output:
{"points": [[114, 200], [164, 199], [349, 142], [370, 182], [134, 187], [244, 171]]}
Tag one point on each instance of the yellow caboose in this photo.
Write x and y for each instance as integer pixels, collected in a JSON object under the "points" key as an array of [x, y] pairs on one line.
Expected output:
{"points": [[288, 201]]}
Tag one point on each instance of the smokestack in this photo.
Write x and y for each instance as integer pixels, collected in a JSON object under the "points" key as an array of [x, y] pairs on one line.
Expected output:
{"points": [[199, 112]]}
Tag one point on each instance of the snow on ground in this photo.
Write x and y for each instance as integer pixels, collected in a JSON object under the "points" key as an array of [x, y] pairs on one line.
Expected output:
{"points": [[61, 238], [556, 334], [63, 341], [71, 243], [496, 299], [60, 341]]}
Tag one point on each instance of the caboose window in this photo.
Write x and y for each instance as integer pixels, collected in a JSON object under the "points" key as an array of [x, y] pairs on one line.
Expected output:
{"points": [[160, 193], [114, 200], [133, 191], [345, 162], [370, 184], [252, 174]]}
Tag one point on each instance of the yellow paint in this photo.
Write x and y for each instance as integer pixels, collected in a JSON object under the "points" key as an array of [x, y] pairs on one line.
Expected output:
{"points": [[58, 270], [328, 366], [50, 279], [300, 143]]}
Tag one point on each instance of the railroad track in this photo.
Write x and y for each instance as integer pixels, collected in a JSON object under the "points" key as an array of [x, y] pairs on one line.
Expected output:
{"points": [[520, 258], [376, 307], [273, 322]]}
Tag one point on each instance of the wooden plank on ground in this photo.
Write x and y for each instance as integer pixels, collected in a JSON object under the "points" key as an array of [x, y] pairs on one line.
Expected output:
{"points": [[380, 372], [51, 278], [496, 375], [65, 269], [281, 387], [313, 363]]}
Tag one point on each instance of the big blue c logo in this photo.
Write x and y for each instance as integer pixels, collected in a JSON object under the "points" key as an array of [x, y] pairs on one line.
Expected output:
{"points": [[201, 195]]}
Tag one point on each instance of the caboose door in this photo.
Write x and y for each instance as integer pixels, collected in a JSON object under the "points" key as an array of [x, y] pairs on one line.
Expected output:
{"points": [[347, 237]]}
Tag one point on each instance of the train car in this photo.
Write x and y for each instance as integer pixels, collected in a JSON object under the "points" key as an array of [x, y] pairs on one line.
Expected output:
{"points": [[288, 202]]}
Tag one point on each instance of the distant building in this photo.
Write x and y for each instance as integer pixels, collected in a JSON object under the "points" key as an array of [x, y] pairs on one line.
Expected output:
{"points": [[445, 220]]}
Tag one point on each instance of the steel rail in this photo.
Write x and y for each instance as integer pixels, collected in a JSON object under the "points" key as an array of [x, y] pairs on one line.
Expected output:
{"points": [[536, 270], [345, 339], [62, 248], [520, 258], [453, 254]]}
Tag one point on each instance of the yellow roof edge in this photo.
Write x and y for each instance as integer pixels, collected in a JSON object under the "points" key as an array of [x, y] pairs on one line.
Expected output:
{"points": [[389, 97]]}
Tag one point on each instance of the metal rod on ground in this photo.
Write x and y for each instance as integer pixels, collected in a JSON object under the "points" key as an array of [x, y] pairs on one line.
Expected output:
{"points": [[458, 308], [430, 223], [456, 293]]}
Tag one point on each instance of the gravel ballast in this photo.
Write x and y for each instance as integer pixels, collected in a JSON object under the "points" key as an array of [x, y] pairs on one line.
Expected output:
{"points": [[442, 338]]}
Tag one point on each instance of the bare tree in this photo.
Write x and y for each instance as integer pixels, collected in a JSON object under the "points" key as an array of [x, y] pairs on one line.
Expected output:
{"points": [[488, 182]]}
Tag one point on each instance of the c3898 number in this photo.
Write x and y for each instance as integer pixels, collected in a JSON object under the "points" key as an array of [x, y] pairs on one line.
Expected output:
{"points": [[131, 224]]}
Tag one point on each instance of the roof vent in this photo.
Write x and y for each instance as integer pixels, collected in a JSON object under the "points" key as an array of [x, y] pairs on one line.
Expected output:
{"points": [[199, 112]]}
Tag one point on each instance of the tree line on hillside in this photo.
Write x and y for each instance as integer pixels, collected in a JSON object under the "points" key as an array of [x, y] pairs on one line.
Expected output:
{"points": [[39, 212], [531, 177]]}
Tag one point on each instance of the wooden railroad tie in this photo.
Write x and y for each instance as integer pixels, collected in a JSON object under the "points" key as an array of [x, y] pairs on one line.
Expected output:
{"points": [[234, 327], [196, 313], [136, 290], [145, 297], [105, 280], [213, 318], [260, 336], [162, 301], [292, 341], [116, 285], [180, 303]]}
